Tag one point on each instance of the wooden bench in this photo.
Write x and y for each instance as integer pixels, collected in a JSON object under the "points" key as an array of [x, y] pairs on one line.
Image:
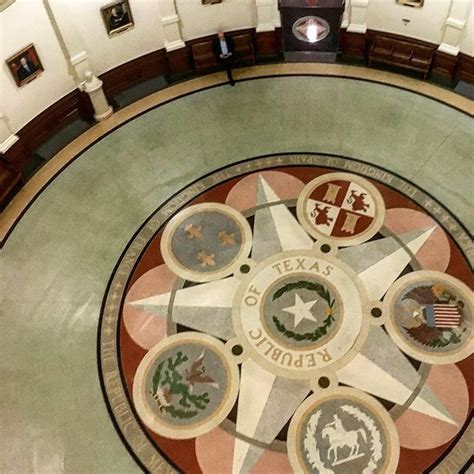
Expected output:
{"points": [[244, 50], [205, 60], [9, 177], [401, 53]]}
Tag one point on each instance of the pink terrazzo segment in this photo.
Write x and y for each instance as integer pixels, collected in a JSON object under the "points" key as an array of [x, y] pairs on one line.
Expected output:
{"points": [[215, 450], [243, 195], [418, 431], [144, 328], [435, 253]]}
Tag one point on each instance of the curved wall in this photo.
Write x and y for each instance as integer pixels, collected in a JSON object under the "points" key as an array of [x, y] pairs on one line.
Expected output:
{"points": [[21, 24], [425, 23], [200, 20], [108, 52], [26, 21]]}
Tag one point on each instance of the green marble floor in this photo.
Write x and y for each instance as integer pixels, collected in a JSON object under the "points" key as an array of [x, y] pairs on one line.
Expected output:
{"points": [[56, 264]]}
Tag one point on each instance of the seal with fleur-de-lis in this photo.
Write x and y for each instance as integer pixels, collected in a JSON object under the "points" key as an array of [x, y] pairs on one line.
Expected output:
{"points": [[205, 242]]}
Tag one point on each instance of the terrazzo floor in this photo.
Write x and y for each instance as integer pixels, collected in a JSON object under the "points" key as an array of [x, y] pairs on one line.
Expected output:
{"points": [[57, 261]]}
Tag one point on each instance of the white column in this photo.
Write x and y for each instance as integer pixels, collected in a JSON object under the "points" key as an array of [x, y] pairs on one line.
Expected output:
{"points": [[62, 21], [170, 21], [265, 12], [93, 87], [276, 15], [357, 16], [7, 137], [455, 24], [346, 14]]}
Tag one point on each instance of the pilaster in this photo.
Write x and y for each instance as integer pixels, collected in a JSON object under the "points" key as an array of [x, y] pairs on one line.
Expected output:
{"points": [[455, 24], [7, 137], [61, 18], [356, 17], [265, 15], [171, 27]]}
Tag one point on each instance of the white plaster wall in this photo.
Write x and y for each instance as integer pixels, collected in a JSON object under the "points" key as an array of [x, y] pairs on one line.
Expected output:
{"points": [[201, 20], [23, 23], [108, 52], [26, 22], [426, 23], [467, 38]]}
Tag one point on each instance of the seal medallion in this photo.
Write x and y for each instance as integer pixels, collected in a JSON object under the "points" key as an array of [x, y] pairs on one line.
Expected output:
{"points": [[311, 29], [300, 312], [343, 431], [430, 317], [185, 386], [206, 242], [341, 207]]}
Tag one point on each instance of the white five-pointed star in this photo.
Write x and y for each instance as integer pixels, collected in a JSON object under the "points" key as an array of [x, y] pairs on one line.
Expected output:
{"points": [[301, 310]]}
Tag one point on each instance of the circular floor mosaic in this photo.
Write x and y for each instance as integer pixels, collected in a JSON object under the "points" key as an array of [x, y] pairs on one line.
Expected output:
{"points": [[289, 313], [292, 313]]}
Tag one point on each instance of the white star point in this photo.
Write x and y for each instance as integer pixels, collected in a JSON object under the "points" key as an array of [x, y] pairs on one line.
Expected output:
{"points": [[301, 310]]}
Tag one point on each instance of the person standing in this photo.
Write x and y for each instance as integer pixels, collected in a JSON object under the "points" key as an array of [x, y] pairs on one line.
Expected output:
{"points": [[224, 51]]}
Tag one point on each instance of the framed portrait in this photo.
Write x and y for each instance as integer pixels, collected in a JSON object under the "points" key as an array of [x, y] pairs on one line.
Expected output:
{"points": [[117, 17], [25, 65], [411, 3]]}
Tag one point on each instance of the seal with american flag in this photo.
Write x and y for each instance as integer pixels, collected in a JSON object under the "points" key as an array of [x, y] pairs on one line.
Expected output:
{"points": [[430, 316], [443, 315]]}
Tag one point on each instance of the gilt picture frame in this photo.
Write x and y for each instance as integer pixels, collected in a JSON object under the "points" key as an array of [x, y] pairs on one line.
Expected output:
{"points": [[25, 65], [117, 17], [411, 3]]}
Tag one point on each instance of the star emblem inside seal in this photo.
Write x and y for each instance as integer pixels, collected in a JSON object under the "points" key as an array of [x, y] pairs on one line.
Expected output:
{"points": [[301, 310]]}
